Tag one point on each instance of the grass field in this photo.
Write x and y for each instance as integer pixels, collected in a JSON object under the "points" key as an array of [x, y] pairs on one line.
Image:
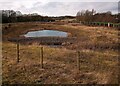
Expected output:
{"points": [[98, 48]]}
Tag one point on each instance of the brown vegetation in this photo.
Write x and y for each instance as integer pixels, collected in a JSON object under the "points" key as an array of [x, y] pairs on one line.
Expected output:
{"points": [[98, 56]]}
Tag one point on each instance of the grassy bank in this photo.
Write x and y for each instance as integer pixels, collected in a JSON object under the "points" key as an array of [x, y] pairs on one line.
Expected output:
{"points": [[98, 56]]}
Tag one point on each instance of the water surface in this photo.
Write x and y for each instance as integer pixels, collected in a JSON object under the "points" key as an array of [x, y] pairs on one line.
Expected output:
{"points": [[46, 33]]}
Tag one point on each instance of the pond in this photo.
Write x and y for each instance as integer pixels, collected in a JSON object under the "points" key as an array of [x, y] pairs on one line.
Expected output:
{"points": [[46, 33]]}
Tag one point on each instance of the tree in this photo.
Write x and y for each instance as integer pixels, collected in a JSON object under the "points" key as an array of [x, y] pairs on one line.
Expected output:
{"points": [[85, 15], [92, 16]]}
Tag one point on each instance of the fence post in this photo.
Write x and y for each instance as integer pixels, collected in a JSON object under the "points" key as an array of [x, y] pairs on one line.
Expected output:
{"points": [[18, 51], [78, 60], [41, 50]]}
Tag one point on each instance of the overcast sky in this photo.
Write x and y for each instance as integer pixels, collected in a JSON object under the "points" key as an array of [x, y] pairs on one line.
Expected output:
{"points": [[58, 7]]}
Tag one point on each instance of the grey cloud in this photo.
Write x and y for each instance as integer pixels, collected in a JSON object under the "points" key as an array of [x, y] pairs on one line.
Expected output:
{"points": [[64, 8], [6, 5]]}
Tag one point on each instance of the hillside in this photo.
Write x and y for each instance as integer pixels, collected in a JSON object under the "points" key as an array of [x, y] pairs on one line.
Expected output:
{"points": [[98, 48]]}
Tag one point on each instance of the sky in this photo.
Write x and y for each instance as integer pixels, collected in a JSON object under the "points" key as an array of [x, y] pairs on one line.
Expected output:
{"points": [[59, 7]]}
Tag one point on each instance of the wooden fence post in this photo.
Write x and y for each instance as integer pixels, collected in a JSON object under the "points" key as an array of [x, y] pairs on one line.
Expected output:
{"points": [[78, 60], [41, 50], [18, 51]]}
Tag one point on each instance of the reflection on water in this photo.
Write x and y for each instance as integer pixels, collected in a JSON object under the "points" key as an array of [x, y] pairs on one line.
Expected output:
{"points": [[46, 33]]}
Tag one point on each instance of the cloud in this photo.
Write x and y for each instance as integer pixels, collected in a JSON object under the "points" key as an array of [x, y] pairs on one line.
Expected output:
{"points": [[46, 1], [71, 8], [58, 8]]}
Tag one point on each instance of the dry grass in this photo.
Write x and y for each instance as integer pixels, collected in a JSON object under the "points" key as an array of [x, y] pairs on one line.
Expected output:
{"points": [[99, 57]]}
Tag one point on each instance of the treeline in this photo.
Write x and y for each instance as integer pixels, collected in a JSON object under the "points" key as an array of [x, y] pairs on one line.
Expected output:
{"points": [[92, 16], [11, 16]]}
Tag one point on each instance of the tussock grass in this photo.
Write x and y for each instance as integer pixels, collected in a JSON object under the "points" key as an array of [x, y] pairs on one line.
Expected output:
{"points": [[98, 48]]}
